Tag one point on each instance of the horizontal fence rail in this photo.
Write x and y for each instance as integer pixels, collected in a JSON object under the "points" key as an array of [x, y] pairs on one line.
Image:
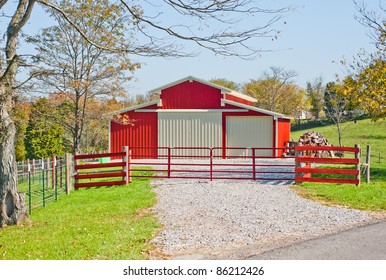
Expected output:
{"points": [[96, 170], [209, 163], [237, 163], [305, 172]]}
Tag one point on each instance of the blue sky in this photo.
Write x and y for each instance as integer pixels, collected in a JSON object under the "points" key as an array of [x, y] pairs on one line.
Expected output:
{"points": [[314, 36], [314, 39]]}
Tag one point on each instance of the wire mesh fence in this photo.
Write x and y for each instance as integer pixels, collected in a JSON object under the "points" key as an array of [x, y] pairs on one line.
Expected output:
{"points": [[43, 180]]}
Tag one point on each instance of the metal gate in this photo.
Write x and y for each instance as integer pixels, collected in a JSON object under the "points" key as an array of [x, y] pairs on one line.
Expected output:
{"points": [[209, 163]]}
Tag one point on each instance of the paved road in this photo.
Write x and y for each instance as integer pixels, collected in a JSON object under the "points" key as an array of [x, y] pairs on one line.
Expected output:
{"points": [[363, 243]]}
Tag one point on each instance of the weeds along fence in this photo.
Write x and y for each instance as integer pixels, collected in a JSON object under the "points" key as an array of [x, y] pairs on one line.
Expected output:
{"points": [[43, 180]]}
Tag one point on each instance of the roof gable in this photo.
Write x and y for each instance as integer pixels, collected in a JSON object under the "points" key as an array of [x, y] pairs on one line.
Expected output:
{"points": [[223, 90], [158, 105]]}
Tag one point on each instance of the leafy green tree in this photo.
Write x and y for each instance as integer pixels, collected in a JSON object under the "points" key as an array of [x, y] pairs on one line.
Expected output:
{"points": [[44, 137], [275, 91], [226, 83], [366, 83], [366, 88], [21, 114], [96, 137], [74, 66], [315, 94]]}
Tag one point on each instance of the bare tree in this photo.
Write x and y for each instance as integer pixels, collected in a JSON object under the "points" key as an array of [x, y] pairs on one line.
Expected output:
{"points": [[374, 21], [338, 108], [156, 36]]}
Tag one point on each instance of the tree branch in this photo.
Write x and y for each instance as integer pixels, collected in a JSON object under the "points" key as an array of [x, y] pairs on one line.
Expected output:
{"points": [[77, 28], [219, 42], [372, 20], [10, 64], [21, 16], [2, 3], [143, 50]]}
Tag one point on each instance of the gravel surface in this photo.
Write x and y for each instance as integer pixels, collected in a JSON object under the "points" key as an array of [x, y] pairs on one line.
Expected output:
{"points": [[233, 219]]}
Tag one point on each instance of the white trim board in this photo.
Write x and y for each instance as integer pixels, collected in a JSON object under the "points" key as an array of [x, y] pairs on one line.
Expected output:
{"points": [[252, 108], [132, 108]]}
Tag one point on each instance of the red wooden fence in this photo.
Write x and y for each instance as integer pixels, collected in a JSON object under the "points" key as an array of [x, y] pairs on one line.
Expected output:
{"points": [[304, 171], [102, 171]]}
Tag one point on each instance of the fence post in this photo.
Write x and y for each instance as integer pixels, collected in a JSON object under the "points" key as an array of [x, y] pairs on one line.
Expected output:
{"points": [[253, 164], [43, 188], [52, 172], [47, 168], [33, 170], [169, 161], [69, 170], [56, 178], [61, 172], [358, 165], [211, 164], [126, 168], [40, 177], [29, 190], [368, 156], [298, 164]]}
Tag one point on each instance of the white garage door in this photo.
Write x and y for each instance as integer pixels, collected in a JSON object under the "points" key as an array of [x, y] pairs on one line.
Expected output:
{"points": [[249, 131], [189, 129]]}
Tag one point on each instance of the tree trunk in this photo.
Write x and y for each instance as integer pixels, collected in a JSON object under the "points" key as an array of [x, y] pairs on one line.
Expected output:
{"points": [[77, 133], [339, 134], [12, 203]]}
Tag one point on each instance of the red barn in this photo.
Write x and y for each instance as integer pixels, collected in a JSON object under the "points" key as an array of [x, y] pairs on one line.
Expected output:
{"points": [[192, 112]]}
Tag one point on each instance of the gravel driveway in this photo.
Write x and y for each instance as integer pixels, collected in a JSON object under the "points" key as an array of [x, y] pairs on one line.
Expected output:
{"points": [[232, 219]]}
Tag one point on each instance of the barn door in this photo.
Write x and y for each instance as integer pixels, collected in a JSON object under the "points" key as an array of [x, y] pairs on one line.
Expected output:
{"points": [[249, 131], [189, 129]]}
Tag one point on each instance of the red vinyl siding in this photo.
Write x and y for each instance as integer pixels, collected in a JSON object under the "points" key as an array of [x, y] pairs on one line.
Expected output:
{"points": [[191, 95], [185, 95], [284, 133], [143, 133]]}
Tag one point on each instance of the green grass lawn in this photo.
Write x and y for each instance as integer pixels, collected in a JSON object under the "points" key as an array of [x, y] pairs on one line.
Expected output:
{"points": [[368, 196], [363, 132], [96, 223]]}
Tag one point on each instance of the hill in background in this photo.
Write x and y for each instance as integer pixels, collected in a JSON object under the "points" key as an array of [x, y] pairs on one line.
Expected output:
{"points": [[362, 132]]}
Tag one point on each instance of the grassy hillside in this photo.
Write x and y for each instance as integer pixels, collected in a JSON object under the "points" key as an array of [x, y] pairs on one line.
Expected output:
{"points": [[369, 196], [363, 132]]}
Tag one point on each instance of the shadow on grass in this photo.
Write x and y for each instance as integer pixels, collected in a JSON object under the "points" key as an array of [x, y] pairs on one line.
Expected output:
{"points": [[373, 137], [378, 173], [309, 125]]}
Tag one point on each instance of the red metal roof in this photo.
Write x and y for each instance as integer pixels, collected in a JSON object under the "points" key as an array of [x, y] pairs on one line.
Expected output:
{"points": [[194, 93]]}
